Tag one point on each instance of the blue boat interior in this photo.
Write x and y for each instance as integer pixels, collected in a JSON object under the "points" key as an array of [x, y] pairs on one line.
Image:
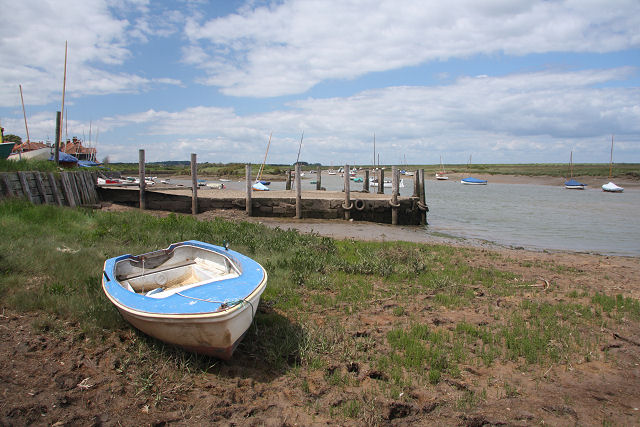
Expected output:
{"points": [[187, 277]]}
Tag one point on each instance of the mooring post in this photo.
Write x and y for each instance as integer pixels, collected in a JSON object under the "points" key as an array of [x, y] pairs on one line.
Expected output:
{"points": [[416, 183], [319, 180], [365, 183], [380, 181], [288, 187], [298, 192], [395, 185], [142, 183], [247, 177], [423, 199], [194, 184], [347, 194]]}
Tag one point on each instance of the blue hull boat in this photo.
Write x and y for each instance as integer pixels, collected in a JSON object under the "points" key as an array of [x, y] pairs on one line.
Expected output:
{"points": [[192, 294], [572, 184], [473, 181]]}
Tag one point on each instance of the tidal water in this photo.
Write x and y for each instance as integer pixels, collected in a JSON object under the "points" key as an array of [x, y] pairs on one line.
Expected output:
{"points": [[520, 215]]}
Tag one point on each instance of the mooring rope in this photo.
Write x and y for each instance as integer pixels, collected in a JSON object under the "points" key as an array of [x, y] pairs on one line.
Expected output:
{"points": [[228, 304]]}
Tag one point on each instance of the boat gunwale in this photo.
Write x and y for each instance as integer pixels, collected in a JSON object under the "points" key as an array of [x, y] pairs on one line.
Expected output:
{"points": [[238, 258]]}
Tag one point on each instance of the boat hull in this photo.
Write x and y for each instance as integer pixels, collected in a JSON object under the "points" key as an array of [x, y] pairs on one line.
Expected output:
{"points": [[473, 181], [5, 149], [208, 317], [612, 188], [39, 154], [207, 334]]}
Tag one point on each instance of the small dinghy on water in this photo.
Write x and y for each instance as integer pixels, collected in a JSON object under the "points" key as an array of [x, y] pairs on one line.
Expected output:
{"points": [[473, 181], [194, 295]]}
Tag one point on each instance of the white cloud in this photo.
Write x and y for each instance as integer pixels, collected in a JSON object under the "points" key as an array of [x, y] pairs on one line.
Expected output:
{"points": [[33, 48], [520, 117], [290, 47]]}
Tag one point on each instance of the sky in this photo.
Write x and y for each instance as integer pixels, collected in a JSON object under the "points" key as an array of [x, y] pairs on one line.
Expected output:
{"points": [[497, 81]]}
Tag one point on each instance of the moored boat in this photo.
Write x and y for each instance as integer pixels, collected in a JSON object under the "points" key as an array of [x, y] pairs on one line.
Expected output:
{"points": [[612, 188], [572, 184], [5, 149], [473, 181], [192, 294]]}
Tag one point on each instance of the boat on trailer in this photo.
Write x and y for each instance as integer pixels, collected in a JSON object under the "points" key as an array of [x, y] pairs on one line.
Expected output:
{"points": [[195, 295]]}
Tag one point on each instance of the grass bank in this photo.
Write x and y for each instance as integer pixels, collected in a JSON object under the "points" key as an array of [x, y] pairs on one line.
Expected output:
{"points": [[364, 321]]}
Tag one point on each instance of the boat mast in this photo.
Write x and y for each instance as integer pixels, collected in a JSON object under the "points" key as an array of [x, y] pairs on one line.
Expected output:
{"points": [[24, 114], [571, 165], [64, 84], [299, 148], [265, 159], [611, 158], [374, 150]]}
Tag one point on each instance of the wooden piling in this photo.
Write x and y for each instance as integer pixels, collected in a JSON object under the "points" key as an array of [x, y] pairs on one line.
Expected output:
{"points": [[142, 183], [298, 192], [365, 183], [288, 187], [423, 200], [347, 194], [395, 190], [319, 179], [380, 181], [194, 184], [416, 183], [247, 176]]}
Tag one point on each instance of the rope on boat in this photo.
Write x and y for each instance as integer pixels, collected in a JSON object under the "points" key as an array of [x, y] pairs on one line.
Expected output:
{"points": [[226, 304]]}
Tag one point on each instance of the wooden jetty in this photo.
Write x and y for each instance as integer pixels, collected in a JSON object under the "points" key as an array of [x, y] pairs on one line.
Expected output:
{"points": [[81, 189]]}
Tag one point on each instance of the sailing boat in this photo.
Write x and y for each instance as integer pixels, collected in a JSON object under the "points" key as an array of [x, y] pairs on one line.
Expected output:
{"points": [[261, 185], [441, 175], [471, 180], [611, 187], [572, 184]]}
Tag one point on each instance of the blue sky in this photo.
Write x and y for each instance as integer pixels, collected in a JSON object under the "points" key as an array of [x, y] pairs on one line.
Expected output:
{"points": [[504, 81]]}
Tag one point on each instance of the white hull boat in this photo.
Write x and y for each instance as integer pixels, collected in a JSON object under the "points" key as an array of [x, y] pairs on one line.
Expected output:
{"points": [[612, 188], [195, 295], [39, 154]]}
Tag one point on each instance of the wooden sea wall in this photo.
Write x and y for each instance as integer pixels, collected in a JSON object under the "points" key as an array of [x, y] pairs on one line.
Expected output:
{"points": [[56, 188], [363, 209]]}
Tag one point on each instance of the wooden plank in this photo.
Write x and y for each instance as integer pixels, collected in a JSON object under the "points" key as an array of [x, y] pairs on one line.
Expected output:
{"points": [[38, 178], [75, 188], [91, 187], [54, 189], [68, 193], [25, 186], [82, 191], [7, 185]]}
